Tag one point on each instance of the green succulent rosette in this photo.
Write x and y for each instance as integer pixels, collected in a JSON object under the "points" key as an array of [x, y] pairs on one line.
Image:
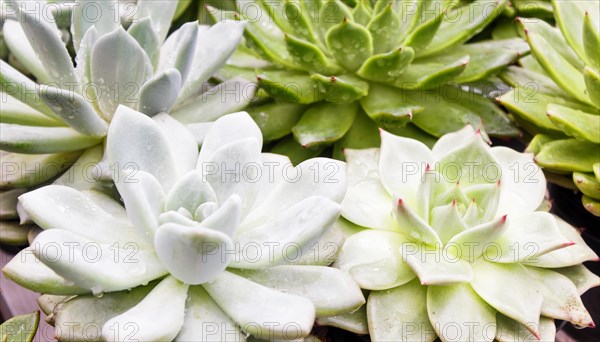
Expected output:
{"points": [[56, 125], [451, 245], [556, 96], [216, 245], [338, 70]]}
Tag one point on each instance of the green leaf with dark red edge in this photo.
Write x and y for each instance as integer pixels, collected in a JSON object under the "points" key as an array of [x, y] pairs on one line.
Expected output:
{"points": [[350, 43], [568, 155], [592, 83], [463, 22], [20, 328], [364, 133], [429, 74], [324, 123], [386, 66], [578, 124], [297, 154], [341, 89], [591, 42], [384, 28], [587, 184], [276, 120], [387, 104], [308, 56], [591, 205], [486, 58], [531, 105], [290, 86]]}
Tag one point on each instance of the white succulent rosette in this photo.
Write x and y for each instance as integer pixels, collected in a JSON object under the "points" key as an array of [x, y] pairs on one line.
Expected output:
{"points": [[453, 246], [209, 246], [48, 123]]}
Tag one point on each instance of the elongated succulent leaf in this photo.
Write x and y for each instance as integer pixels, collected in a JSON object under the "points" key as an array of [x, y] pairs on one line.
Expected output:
{"points": [[143, 33], [289, 86], [102, 15], [161, 12], [386, 66], [159, 93], [569, 16], [383, 28], [587, 184], [591, 41], [17, 85], [427, 75], [20, 328], [568, 155], [45, 166], [16, 112], [178, 50], [575, 123], [19, 46], [39, 140], [341, 89], [592, 82]]}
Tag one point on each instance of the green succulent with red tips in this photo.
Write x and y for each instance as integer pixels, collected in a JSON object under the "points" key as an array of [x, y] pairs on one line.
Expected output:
{"points": [[337, 70], [556, 96]]}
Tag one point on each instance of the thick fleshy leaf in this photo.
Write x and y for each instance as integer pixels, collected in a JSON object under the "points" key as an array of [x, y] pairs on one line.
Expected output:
{"points": [[194, 255], [523, 185], [159, 93], [373, 259], [161, 12], [14, 83], [355, 322], [590, 204], [508, 330], [435, 266], [8, 203], [569, 17], [98, 267], [57, 206], [528, 236], [50, 49], [14, 234], [350, 43], [290, 86], [21, 328], [447, 222], [470, 244], [460, 307], [420, 38], [205, 321], [261, 311], [178, 50], [583, 278], [471, 164], [401, 165], [147, 146], [228, 129], [457, 27], [587, 184], [578, 124], [226, 218], [309, 56], [228, 97], [213, 47], [406, 303], [522, 303], [45, 167], [189, 192], [276, 120], [366, 202], [17, 112], [17, 42], [324, 123], [568, 155], [101, 17], [315, 177], [429, 74], [452, 141], [144, 199], [40, 140], [363, 134], [331, 291], [28, 271], [384, 28], [75, 317], [569, 256], [74, 110], [561, 298], [592, 83], [83, 65], [341, 89], [300, 226], [182, 143], [143, 33], [386, 66], [167, 300], [117, 64], [591, 42]]}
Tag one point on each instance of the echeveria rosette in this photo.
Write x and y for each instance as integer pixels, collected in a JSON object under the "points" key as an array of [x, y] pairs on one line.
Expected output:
{"points": [[50, 123], [337, 71], [556, 96], [198, 243], [453, 246]]}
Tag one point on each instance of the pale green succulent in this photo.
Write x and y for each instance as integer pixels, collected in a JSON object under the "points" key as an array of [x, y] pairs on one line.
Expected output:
{"points": [[338, 70], [202, 242], [452, 246], [47, 126], [556, 96]]}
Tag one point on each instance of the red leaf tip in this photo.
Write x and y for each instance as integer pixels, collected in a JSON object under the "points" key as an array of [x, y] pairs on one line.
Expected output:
{"points": [[567, 244], [504, 218]]}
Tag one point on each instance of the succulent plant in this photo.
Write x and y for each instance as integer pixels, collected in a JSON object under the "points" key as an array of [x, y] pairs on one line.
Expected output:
{"points": [[452, 245], [556, 96], [204, 239], [338, 69], [20, 328], [46, 126]]}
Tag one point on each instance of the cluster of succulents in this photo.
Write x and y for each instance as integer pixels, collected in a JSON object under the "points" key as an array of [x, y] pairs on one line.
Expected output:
{"points": [[557, 96], [298, 168], [340, 70]]}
